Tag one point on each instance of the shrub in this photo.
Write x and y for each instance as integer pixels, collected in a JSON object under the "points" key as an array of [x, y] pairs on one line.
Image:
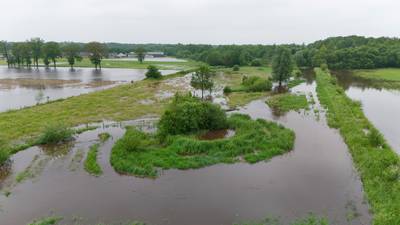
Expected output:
{"points": [[324, 67], [135, 141], [227, 90], [55, 133], [256, 84], [187, 114], [236, 68], [153, 72], [256, 62]]}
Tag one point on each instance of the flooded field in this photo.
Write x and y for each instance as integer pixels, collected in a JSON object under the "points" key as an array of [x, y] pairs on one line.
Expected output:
{"points": [[26, 87], [317, 176], [380, 105]]}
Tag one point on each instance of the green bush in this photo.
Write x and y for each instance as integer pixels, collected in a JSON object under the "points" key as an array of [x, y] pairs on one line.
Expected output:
{"points": [[256, 84], [187, 114], [227, 90], [135, 141], [236, 68], [55, 133], [256, 62], [153, 72]]}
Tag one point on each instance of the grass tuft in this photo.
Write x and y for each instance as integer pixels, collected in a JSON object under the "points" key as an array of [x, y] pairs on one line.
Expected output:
{"points": [[91, 165], [55, 133]]}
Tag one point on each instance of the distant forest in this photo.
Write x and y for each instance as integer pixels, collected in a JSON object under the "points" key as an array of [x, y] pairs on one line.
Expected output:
{"points": [[351, 52]]}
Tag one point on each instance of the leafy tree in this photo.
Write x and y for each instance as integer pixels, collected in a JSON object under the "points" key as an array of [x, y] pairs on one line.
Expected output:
{"points": [[202, 79], [51, 51], [245, 58], [153, 72], [97, 51], [282, 65], [26, 53], [141, 54], [36, 46], [4, 50], [72, 52], [16, 51]]}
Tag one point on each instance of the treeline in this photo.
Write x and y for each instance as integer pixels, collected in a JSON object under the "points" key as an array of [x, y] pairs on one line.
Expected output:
{"points": [[351, 52], [29, 53]]}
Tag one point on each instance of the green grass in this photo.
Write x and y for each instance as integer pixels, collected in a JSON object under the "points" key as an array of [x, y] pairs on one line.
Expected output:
{"points": [[377, 164], [387, 74], [143, 154], [21, 128], [47, 221], [104, 136], [55, 133], [309, 220], [90, 164], [109, 63], [287, 102]]}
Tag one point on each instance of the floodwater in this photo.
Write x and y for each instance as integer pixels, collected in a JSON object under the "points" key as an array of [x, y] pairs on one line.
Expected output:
{"points": [[317, 176], [380, 105], [26, 87]]}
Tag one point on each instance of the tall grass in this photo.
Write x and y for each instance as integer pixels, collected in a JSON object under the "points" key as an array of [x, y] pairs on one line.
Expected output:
{"points": [[287, 102], [55, 133], [377, 164], [142, 154], [90, 164]]}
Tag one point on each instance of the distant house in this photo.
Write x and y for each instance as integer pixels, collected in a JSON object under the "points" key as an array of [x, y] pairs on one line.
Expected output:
{"points": [[2, 57], [148, 54]]}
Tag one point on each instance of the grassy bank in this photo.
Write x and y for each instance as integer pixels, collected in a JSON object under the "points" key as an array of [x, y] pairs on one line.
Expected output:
{"points": [[142, 154], [287, 102], [90, 164], [387, 74], [376, 162]]}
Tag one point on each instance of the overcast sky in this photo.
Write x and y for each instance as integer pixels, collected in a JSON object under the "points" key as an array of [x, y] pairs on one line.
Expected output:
{"points": [[197, 21]]}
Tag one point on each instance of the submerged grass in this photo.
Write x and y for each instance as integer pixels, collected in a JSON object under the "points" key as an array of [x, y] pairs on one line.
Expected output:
{"points": [[309, 220], [377, 163], [287, 102], [143, 154], [91, 165], [104, 136]]}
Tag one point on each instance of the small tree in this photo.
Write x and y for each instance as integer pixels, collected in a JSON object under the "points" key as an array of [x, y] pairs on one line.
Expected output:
{"points": [[51, 51], [71, 52], [141, 54], [153, 72], [202, 79], [4, 50], [97, 52], [282, 65]]}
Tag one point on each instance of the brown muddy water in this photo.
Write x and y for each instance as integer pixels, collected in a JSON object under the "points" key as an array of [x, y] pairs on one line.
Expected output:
{"points": [[317, 176], [380, 105], [26, 87]]}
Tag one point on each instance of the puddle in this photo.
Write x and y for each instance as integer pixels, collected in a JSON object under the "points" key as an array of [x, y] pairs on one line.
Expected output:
{"points": [[380, 105], [26, 87], [317, 176]]}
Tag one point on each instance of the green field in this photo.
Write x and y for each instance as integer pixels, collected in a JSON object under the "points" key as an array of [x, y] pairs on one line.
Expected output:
{"points": [[110, 63], [377, 164], [387, 74]]}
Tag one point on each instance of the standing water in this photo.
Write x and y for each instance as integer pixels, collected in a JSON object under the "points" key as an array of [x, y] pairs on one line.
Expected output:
{"points": [[317, 176], [380, 105], [26, 87]]}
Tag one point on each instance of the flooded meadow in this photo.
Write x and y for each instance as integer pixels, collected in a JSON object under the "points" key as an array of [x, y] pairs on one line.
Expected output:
{"points": [[27, 87], [317, 176]]}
